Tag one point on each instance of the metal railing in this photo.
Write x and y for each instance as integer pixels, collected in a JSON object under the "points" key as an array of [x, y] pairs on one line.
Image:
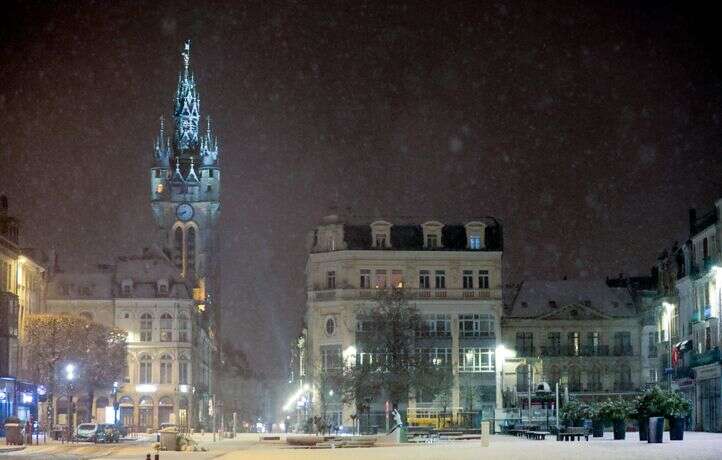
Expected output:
{"points": [[354, 293]]}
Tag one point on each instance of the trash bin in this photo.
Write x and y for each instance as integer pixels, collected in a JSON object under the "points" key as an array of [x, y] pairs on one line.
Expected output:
{"points": [[13, 431], [656, 430], [168, 439]]}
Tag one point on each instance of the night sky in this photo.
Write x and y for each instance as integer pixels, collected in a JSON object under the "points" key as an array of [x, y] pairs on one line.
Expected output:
{"points": [[588, 130]]}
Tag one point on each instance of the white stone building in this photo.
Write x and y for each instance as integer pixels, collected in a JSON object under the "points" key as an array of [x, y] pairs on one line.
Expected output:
{"points": [[584, 335], [169, 366], [450, 272]]}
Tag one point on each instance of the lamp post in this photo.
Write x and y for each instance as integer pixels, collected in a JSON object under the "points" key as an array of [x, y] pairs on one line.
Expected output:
{"points": [[668, 309], [69, 377]]}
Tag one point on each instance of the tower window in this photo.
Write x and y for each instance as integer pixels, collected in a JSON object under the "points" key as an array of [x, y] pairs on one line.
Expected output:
{"points": [[210, 173], [179, 248], [157, 173], [209, 188], [191, 248], [159, 188]]}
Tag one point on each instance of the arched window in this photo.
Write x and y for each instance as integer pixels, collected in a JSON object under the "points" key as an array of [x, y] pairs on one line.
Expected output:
{"points": [[166, 327], [145, 412], [146, 327], [183, 369], [145, 369], [191, 250], [166, 369], [178, 246], [522, 377], [165, 408], [182, 328]]}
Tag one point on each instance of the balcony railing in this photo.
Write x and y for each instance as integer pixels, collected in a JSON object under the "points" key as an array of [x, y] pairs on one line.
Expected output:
{"points": [[586, 351], [682, 373], [551, 351], [708, 357], [353, 293], [623, 350]]}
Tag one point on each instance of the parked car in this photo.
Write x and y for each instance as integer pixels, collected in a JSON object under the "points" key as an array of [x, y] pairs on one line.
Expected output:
{"points": [[86, 432], [107, 432]]}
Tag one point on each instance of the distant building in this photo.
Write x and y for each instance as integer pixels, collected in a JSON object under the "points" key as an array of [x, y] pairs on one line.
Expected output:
{"points": [[168, 371], [450, 272], [584, 335]]}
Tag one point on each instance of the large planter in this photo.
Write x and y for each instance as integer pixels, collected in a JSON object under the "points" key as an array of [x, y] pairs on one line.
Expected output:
{"points": [[598, 428], [620, 429], [676, 428], [643, 428], [656, 430]]}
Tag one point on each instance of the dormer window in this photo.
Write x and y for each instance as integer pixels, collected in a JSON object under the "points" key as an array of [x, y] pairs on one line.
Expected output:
{"points": [[432, 234], [126, 287], [162, 287], [381, 234], [475, 235]]}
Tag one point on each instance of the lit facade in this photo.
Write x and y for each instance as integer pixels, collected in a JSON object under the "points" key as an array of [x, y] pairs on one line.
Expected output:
{"points": [[168, 369], [583, 335], [450, 273]]}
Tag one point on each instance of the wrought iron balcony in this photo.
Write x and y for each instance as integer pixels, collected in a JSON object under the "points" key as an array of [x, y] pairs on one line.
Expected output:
{"points": [[708, 357]]}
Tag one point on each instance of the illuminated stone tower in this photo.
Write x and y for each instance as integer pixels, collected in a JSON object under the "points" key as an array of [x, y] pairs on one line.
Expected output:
{"points": [[185, 183]]}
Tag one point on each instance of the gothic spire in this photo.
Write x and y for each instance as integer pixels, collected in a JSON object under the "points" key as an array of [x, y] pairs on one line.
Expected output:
{"points": [[162, 146], [187, 105]]}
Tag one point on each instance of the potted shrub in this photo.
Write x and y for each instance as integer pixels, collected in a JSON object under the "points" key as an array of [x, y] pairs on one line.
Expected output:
{"points": [[574, 412], [648, 404], [616, 411], [676, 408], [597, 420]]}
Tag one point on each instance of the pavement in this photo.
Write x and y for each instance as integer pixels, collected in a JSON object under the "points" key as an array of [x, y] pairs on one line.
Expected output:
{"points": [[248, 447]]}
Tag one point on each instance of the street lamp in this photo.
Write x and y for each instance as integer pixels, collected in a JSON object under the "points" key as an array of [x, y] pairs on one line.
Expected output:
{"points": [[69, 377], [502, 353], [668, 310]]}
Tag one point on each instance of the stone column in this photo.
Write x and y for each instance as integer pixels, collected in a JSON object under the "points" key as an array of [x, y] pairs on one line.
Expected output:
{"points": [[455, 397]]}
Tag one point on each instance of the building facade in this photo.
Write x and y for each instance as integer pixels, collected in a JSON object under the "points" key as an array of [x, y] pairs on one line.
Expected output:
{"points": [[688, 313], [583, 335], [22, 292], [169, 359], [450, 273]]}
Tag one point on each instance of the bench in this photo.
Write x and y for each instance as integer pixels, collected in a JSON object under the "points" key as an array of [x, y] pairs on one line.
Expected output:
{"points": [[573, 434], [536, 435]]}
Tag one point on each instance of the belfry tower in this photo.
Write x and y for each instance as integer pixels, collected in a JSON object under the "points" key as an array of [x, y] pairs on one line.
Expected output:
{"points": [[185, 186]]}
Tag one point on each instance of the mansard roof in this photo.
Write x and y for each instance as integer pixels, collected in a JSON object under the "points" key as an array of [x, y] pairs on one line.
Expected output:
{"points": [[410, 237], [553, 300]]}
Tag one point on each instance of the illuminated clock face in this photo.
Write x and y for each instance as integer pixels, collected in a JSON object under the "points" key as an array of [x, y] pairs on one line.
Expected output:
{"points": [[184, 212]]}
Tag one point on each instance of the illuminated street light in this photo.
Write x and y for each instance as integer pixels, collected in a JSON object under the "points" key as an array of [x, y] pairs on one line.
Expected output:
{"points": [[70, 372]]}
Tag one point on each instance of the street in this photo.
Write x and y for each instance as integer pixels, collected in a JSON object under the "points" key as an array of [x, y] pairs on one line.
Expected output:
{"points": [[248, 447]]}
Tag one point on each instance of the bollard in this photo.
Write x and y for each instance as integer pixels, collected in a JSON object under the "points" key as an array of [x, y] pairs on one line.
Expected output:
{"points": [[147, 457], [485, 434], [157, 457]]}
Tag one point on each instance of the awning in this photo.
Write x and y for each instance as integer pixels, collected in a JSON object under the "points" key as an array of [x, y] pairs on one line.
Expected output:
{"points": [[684, 345]]}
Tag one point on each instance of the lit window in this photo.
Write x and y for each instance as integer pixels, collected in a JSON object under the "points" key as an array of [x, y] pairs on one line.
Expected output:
{"points": [[166, 328], [476, 360], [166, 369], [145, 369], [146, 327], [397, 278], [159, 188], [380, 279], [474, 242]]}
